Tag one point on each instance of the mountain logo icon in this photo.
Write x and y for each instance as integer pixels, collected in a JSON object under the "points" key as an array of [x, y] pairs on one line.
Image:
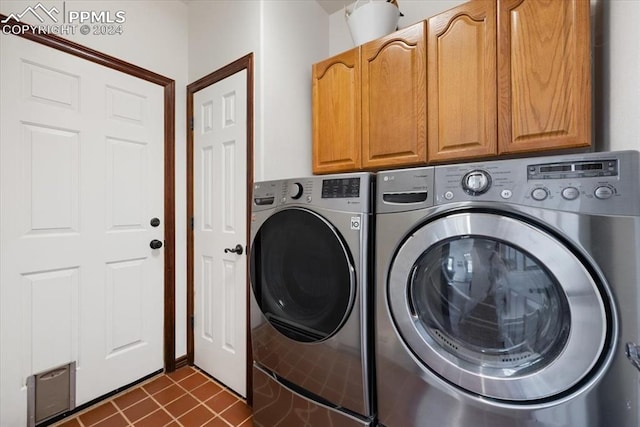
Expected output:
{"points": [[39, 11]]}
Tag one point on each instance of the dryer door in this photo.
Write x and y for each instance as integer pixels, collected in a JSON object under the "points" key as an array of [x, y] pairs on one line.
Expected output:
{"points": [[498, 307], [302, 275]]}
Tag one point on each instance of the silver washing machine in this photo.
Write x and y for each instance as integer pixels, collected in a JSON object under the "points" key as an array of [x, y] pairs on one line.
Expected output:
{"points": [[508, 293], [310, 316]]}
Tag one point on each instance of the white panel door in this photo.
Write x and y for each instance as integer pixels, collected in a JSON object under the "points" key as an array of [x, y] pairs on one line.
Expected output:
{"points": [[220, 182], [81, 175]]}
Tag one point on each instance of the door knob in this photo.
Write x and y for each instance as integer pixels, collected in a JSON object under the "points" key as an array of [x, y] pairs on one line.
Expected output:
{"points": [[237, 250], [155, 244]]}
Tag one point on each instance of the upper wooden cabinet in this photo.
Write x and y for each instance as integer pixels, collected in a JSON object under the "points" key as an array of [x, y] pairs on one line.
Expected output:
{"points": [[369, 105], [394, 94], [336, 113], [462, 96], [544, 75], [486, 78]]}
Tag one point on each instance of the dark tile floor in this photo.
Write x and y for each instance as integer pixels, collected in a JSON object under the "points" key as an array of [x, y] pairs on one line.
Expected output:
{"points": [[186, 398]]}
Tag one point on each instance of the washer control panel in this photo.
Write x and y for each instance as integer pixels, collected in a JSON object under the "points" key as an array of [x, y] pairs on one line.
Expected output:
{"points": [[587, 183], [346, 192]]}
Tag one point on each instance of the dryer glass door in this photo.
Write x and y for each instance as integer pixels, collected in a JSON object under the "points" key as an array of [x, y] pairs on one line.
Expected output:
{"points": [[490, 303], [302, 275], [497, 306]]}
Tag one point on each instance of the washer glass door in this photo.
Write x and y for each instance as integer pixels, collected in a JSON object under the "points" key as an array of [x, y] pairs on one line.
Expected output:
{"points": [[497, 306], [302, 275]]}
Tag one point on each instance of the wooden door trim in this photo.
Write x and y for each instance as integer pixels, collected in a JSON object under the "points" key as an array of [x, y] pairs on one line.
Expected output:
{"points": [[168, 84], [244, 63]]}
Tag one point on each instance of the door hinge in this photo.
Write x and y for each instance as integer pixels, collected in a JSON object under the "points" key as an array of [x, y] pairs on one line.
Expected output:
{"points": [[191, 123], [192, 222], [193, 322]]}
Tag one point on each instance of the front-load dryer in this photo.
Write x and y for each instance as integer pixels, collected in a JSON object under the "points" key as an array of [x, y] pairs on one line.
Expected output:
{"points": [[310, 318], [508, 293]]}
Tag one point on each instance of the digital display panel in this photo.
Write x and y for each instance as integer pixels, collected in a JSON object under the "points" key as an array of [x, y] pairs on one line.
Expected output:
{"points": [[589, 166], [340, 188], [555, 168], [576, 169]]}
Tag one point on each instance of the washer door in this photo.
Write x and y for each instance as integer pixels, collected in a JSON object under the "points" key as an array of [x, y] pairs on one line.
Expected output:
{"points": [[497, 307], [302, 276]]}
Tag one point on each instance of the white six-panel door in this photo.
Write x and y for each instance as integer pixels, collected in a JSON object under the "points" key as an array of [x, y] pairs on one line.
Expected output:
{"points": [[81, 175], [220, 182]]}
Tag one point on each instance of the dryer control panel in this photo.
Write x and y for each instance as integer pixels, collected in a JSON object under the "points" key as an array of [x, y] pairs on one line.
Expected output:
{"points": [[594, 183]]}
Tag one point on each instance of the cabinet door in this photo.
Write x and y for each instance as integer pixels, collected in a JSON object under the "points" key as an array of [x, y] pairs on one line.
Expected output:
{"points": [[336, 113], [544, 75], [394, 99], [462, 101]]}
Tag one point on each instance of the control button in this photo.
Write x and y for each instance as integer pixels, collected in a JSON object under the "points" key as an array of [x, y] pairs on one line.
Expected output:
{"points": [[570, 193], [506, 194], [448, 195], [308, 199], [603, 192], [295, 190], [476, 182], [539, 194]]}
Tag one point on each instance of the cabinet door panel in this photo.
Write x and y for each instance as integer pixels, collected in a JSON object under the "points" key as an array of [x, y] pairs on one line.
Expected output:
{"points": [[544, 68], [462, 101], [336, 113], [394, 99]]}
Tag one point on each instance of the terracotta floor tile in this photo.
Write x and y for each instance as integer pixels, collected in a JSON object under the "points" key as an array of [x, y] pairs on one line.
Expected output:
{"points": [[158, 384], [169, 394], [193, 381], [181, 373], [221, 401], [197, 416], [98, 413], [141, 409], [206, 391], [156, 419], [237, 413], [71, 423], [170, 405], [128, 399], [116, 420], [216, 422], [182, 405]]}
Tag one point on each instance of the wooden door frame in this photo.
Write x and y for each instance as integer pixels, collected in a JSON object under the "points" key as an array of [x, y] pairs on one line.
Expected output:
{"points": [[244, 63], [168, 84]]}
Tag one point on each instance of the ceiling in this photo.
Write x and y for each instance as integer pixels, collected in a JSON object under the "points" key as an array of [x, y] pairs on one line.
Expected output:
{"points": [[331, 6]]}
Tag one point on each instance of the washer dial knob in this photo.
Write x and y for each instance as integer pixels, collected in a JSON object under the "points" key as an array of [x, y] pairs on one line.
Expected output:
{"points": [[295, 190], [603, 192], [570, 193], [476, 182], [540, 194]]}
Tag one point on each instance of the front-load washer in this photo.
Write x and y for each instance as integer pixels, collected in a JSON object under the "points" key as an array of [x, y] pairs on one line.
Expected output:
{"points": [[508, 293], [310, 316]]}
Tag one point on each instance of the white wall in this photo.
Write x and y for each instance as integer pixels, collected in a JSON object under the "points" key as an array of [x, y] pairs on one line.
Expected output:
{"points": [[295, 37], [617, 101], [155, 38]]}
